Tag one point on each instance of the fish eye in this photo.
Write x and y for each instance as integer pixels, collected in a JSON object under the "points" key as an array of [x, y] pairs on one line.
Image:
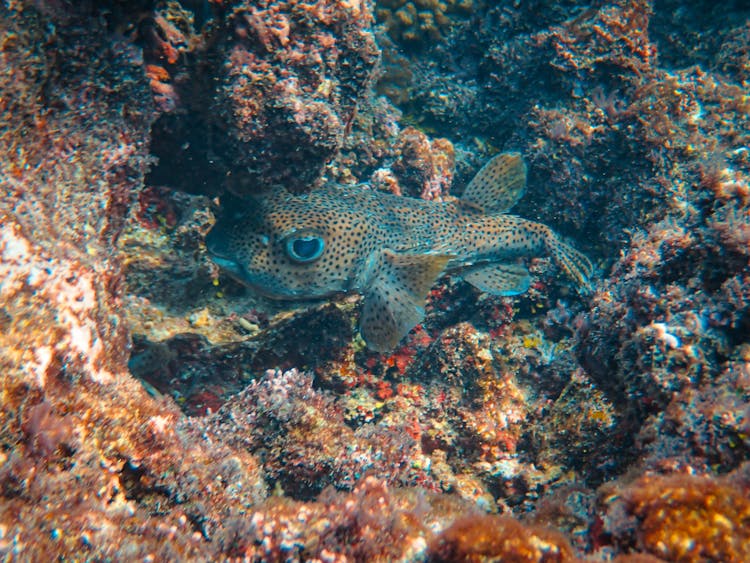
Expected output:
{"points": [[304, 249]]}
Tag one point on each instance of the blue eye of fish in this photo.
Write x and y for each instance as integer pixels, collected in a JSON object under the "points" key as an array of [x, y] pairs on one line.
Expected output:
{"points": [[305, 249]]}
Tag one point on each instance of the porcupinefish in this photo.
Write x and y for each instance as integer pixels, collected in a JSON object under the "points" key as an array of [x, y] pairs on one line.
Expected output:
{"points": [[390, 249]]}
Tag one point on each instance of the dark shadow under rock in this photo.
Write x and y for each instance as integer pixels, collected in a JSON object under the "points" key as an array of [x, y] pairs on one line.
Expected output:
{"points": [[201, 376]]}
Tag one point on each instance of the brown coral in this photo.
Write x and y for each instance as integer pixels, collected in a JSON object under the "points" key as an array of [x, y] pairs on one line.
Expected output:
{"points": [[420, 22], [497, 538], [691, 518]]}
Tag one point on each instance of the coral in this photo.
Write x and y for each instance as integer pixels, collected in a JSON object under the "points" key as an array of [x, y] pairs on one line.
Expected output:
{"points": [[713, 419], [701, 34], [77, 155], [496, 538], [165, 35], [370, 143], [377, 525], [481, 410], [60, 286], [206, 359], [305, 441], [418, 23], [597, 91], [690, 518], [577, 427], [280, 94], [395, 77], [424, 168], [141, 419], [637, 558]]}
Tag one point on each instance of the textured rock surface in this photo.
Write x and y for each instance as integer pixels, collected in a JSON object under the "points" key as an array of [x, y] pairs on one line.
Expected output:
{"points": [[267, 95]]}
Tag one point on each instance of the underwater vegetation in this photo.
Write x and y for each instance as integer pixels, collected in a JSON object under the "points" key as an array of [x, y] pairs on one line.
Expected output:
{"points": [[155, 409]]}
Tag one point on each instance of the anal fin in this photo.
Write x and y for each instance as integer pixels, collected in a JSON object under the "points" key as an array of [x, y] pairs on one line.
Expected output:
{"points": [[499, 279], [395, 288]]}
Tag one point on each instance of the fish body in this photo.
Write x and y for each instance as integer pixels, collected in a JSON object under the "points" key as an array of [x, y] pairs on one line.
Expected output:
{"points": [[390, 249]]}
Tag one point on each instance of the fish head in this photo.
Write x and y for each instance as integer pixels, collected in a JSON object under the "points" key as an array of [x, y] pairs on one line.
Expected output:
{"points": [[290, 246]]}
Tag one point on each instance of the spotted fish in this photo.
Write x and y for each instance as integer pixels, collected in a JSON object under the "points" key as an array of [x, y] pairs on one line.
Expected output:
{"points": [[388, 248]]}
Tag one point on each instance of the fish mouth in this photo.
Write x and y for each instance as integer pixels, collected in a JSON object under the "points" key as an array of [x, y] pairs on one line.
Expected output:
{"points": [[238, 272], [232, 268], [229, 265], [215, 245], [214, 242]]}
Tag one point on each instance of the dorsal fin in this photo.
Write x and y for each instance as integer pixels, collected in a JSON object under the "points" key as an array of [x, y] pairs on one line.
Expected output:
{"points": [[498, 185]]}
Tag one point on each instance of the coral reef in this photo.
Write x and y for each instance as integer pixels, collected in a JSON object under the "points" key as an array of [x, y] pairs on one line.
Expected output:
{"points": [[73, 166], [372, 523], [269, 91], [305, 441], [424, 168], [76, 111], [670, 172], [154, 409], [685, 517]]}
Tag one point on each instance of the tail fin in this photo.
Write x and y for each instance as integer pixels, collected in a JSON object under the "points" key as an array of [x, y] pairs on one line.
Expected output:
{"points": [[574, 263]]}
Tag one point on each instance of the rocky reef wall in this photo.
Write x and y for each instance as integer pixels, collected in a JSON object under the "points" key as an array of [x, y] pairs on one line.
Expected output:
{"points": [[155, 409]]}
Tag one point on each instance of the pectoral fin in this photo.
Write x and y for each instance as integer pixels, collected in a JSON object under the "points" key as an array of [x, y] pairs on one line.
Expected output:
{"points": [[394, 293], [498, 185], [499, 279]]}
